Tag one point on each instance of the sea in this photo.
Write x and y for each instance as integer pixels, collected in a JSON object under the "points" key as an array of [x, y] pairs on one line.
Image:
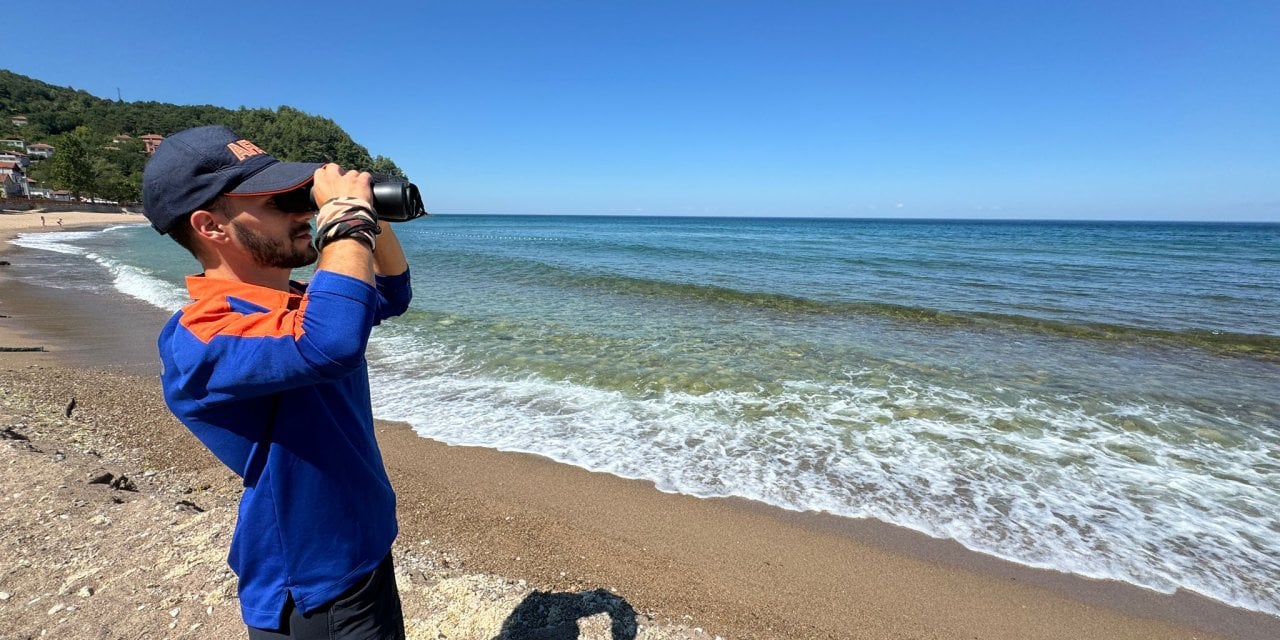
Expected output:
{"points": [[1099, 398]]}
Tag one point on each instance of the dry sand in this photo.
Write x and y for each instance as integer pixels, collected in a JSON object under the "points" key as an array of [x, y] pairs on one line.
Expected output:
{"points": [[12, 222], [492, 544]]}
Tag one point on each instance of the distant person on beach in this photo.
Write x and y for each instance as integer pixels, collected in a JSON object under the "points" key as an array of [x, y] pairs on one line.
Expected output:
{"points": [[59, 223], [270, 374], [42, 221]]}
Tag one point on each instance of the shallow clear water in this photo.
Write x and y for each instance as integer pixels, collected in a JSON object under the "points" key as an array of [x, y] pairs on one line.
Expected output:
{"points": [[1099, 398]]}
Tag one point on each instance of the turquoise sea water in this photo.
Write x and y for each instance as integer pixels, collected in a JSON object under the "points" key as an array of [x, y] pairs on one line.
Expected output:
{"points": [[1098, 398]]}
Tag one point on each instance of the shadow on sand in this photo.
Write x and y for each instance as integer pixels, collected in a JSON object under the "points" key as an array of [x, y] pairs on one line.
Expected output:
{"points": [[544, 615]]}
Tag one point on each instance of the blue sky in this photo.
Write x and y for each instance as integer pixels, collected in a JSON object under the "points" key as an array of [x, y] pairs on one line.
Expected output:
{"points": [[1019, 109]]}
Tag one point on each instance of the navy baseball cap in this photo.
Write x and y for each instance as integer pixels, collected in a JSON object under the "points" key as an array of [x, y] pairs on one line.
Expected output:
{"points": [[192, 167]]}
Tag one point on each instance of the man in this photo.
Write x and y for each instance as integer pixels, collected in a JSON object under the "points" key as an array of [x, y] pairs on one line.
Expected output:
{"points": [[270, 374]]}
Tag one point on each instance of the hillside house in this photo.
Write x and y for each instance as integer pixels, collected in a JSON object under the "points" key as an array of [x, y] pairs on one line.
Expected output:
{"points": [[14, 178], [12, 186], [20, 145], [37, 191], [19, 120], [14, 156], [40, 150], [152, 140]]}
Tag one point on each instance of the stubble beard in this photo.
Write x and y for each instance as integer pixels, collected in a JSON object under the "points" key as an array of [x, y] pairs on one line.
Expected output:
{"points": [[273, 253]]}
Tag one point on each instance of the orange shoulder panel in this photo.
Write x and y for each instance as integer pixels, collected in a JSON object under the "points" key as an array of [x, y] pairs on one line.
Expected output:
{"points": [[212, 317]]}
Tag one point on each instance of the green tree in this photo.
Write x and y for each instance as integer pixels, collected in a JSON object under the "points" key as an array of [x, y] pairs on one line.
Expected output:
{"points": [[114, 185], [78, 162], [383, 164]]}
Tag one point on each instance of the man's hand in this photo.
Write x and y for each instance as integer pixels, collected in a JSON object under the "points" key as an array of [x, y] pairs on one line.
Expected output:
{"points": [[347, 256], [332, 181], [343, 198]]}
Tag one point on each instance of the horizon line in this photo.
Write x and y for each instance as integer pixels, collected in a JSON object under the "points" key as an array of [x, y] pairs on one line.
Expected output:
{"points": [[880, 218]]}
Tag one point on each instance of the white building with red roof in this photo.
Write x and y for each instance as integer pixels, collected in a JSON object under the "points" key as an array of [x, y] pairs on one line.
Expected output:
{"points": [[40, 150]]}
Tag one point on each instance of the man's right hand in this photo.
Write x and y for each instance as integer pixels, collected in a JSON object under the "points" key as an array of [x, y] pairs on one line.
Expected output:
{"points": [[347, 256], [332, 181]]}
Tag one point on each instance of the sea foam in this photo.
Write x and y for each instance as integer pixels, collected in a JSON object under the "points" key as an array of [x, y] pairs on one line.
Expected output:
{"points": [[1131, 493], [134, 281]]}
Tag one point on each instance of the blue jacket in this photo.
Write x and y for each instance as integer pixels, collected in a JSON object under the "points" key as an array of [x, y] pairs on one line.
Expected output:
{"points": [[275, 384]]}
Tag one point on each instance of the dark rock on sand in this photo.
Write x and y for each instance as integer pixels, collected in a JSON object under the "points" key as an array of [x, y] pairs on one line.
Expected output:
{"points": [[123, 483], [187, 505]]}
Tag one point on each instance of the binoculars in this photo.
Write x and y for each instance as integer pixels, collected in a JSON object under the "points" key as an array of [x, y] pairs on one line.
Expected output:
{"points": [[394, 199]]}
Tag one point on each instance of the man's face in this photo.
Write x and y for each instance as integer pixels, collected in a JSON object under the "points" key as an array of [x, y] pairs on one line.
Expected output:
{"points": [[272, 236]]}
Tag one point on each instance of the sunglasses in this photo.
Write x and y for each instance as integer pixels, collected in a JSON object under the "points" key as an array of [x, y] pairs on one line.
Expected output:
{"points": [[296, 201]]}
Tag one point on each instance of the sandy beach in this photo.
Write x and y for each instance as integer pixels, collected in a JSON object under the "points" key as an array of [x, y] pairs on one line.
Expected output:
{"points": [[13, 222], [492, 544]]}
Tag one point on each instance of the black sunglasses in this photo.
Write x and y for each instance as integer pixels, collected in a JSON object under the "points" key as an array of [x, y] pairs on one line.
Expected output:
{"points": [[296, 201]]}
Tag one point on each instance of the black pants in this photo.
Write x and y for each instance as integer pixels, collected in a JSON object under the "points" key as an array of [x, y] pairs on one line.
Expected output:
{"points": [[370, 610]]}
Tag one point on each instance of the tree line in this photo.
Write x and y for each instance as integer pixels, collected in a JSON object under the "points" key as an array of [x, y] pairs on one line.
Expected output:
{"points": [[91, 157]]}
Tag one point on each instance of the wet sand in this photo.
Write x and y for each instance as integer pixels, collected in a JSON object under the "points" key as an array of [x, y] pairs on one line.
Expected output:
{"points": [[734, 568]]}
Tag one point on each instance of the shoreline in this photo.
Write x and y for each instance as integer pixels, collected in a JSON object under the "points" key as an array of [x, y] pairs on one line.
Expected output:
{"points": [[733, 567], [14, 222]]}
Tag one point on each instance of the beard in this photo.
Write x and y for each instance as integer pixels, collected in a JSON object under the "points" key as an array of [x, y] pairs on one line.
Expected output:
{"points": [[269, 252]]}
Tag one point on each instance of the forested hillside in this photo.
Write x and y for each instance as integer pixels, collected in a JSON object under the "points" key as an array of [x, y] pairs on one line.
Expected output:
{"points": [[91, 161]]}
